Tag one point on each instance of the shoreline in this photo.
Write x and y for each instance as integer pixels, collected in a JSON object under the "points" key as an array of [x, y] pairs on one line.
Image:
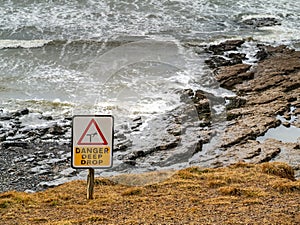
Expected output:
{"points": [[264, 91]]}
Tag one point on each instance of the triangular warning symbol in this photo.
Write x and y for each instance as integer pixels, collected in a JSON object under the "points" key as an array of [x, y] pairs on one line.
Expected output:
{"points": [[92, 135]]}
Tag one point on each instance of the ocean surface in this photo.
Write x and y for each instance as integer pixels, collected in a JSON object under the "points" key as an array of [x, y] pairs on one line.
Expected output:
{"points": [[124, 58]]}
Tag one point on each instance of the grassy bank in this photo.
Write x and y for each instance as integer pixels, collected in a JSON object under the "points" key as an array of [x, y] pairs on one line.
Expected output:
{"points": [[239, 194]]}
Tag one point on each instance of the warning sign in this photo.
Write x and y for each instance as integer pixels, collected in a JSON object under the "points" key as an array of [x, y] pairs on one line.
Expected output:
{"points": [[92, 141], [92, 135]]}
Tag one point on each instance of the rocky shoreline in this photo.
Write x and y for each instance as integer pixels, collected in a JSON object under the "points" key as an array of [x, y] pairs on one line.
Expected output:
{"points": [[265, 92], [267, 96]]}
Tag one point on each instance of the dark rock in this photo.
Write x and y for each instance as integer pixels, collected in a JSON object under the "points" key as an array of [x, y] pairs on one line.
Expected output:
{"points": [[237, 57], [56, 130], [4, 117], [199, 95], [122, 145], [235, 102], [136, 123], [232, 59], [291, 86], [7, 144], [24, 112], [136, 154], [48, 118], [262, 22], [266, 51], [201, 103], [261, 54], [271, 154], [12, 132], [217, 61], [21, 112], [231, 116], [292, 99], [138, 118], [186, 94], [130, 162], [2, 137], [229, 45], [18, 123]]}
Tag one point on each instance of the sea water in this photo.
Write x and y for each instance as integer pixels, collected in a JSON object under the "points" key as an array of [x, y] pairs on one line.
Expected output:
{"points": [[124, 58], [128, 58]]}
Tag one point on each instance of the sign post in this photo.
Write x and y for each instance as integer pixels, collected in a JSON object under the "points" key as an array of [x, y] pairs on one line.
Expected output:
{"points": [[92, 145], [90, 184]]}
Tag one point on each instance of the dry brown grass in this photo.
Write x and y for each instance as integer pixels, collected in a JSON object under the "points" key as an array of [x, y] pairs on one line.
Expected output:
{"points": [[239, 194]]}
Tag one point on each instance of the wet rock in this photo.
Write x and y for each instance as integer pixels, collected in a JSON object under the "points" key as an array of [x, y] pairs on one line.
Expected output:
{"points": [[198, 104], [138, 118], [261, 54], [2, 137], [136, 154], [235, 102], [169, 138], [6, 116], [136, 122], [218, 61], [237, 57], [186, 95], [21, 113], [202, 105], [7, 144], [121, 142], [230, 60], [11, 132], [229, 45], [25, 167], [229, 76], [47, 117], [261, 22], [54, 161], [56, 130]]}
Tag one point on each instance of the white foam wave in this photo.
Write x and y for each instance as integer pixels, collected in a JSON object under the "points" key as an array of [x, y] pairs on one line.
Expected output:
{"points": [[108, 19], [22, 43]]}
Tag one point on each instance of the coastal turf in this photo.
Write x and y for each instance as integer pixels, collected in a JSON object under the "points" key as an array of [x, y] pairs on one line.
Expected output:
{"points": [[239, 194]]}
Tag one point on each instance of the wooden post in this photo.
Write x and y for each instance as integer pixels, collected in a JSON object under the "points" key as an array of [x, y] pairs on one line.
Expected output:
{"points": [[90, 184]]}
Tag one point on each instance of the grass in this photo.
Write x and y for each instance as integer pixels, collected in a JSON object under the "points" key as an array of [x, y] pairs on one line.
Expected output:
{"points": [[239, 194]]}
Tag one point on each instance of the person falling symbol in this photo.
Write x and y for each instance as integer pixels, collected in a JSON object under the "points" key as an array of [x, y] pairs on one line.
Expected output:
{"points": [[91, 135]]}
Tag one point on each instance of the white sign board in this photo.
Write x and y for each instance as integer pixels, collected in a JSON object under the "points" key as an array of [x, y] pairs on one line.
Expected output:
{"points": [[92, 141]]}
